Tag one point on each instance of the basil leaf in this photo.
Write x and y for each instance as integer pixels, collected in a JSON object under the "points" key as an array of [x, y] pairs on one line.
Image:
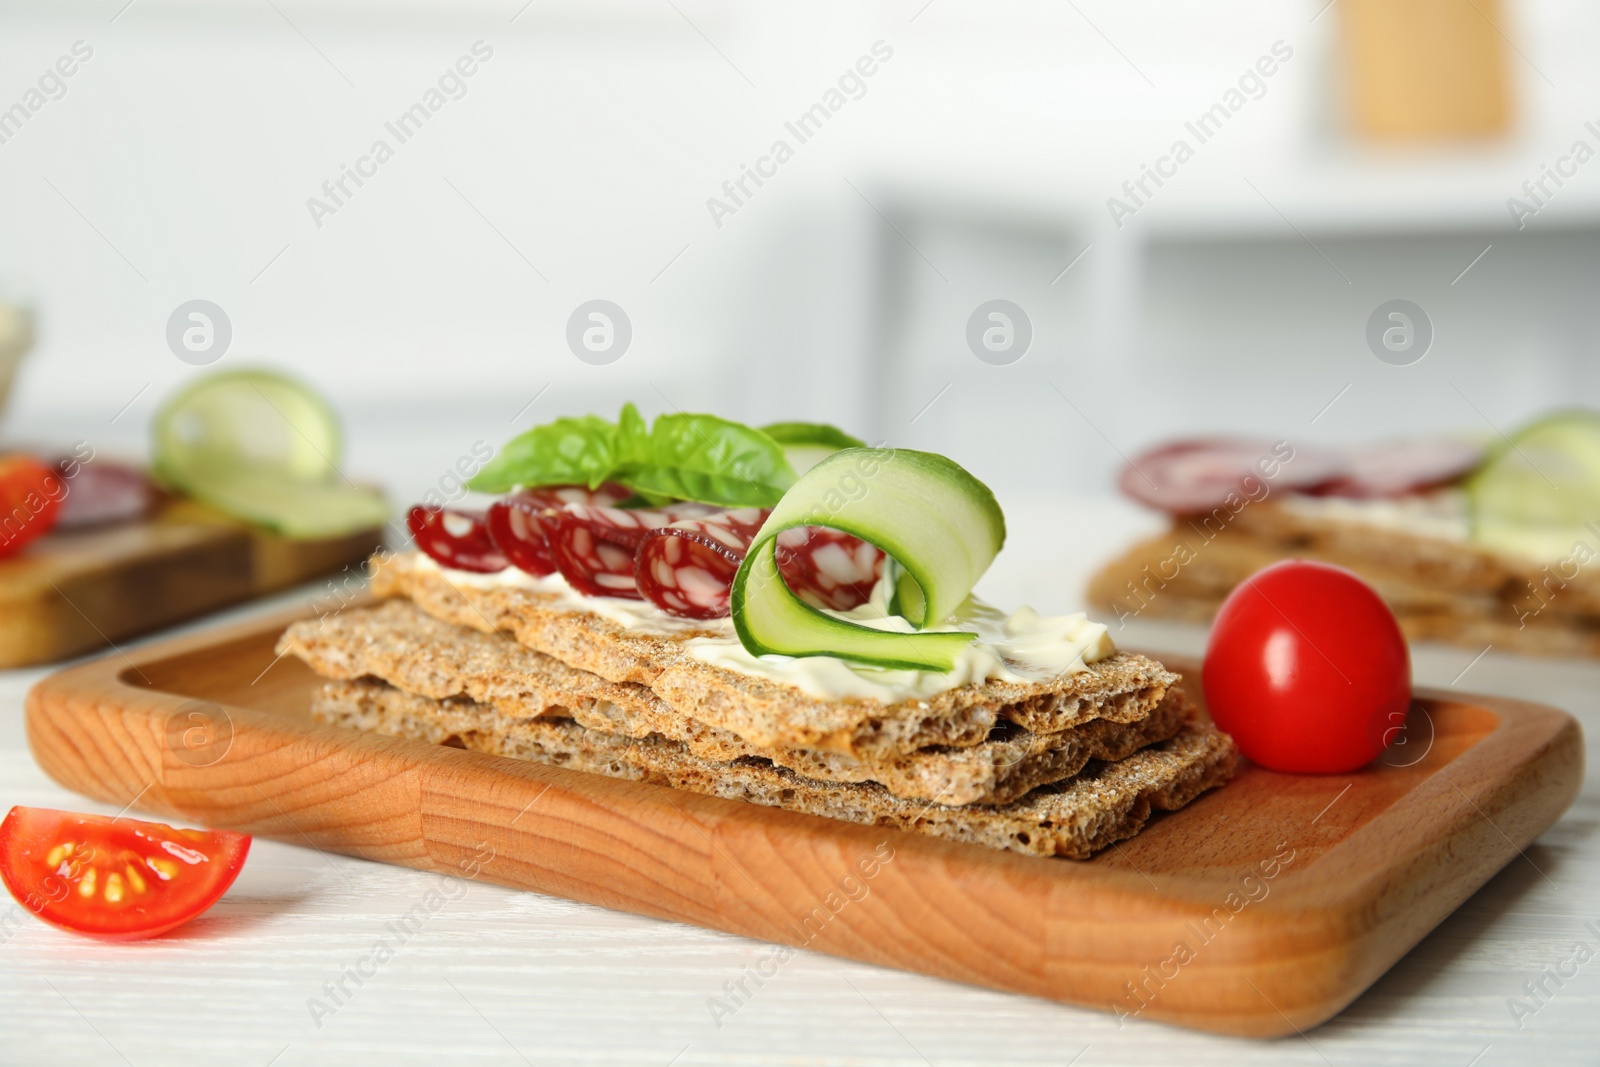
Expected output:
{"points": [[633, 437], [580, 451], [811, 433], [710, 460]]}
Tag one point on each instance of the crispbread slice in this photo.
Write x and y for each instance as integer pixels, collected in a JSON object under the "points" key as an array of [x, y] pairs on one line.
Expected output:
{"points": [[402, 645], [769, 714], [1012, 762], [539, 621], [1106, 803]]}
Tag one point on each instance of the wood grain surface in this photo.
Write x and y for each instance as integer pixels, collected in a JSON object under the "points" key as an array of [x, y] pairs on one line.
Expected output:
{"points": [[1262, 909], [71, 593]]}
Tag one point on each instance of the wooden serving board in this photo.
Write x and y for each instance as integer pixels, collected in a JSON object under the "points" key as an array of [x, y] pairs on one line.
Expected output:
{"points": [[1262, 908], [69, 593]]}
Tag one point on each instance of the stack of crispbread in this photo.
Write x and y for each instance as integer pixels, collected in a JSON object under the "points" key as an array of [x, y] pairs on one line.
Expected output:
{"points": [[1442, 588], [1063, 767]]}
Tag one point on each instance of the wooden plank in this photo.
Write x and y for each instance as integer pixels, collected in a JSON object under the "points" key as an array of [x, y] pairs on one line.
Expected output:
{"points": [[71, 593], [1262, 908]]}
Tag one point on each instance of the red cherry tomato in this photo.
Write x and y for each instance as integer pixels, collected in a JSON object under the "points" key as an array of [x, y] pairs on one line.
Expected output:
{"points": [[1307, 669], [30, 500], [115, 879]]}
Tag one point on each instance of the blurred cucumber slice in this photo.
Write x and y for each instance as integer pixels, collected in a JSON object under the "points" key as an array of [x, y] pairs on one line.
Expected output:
{"points": [[263, 448], [1534, 495], [290, 508], [246, 420]]}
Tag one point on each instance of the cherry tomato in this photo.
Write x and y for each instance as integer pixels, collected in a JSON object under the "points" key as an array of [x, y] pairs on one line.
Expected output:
{"points": [[1307, 669], [30, 500], [115, 879]]}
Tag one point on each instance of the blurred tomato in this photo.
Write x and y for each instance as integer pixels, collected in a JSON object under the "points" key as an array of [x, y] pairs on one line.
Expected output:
{"points": [[1307, 669], [30, 500]]}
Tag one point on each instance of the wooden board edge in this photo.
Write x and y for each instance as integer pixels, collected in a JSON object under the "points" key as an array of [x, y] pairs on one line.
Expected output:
{"points": [[709, 848], [1468, 822]]}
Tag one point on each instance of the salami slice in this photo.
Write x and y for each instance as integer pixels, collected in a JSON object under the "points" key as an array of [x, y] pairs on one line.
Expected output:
{"points": [[457, 538], [1402, 467], [687, 568], [103, 492], [594, 545], [828, 568], [1191, 477], [517, 522]]}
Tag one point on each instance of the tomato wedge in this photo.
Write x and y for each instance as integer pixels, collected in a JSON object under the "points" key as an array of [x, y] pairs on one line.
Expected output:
{"points": [[115, 879], [30, 500]]}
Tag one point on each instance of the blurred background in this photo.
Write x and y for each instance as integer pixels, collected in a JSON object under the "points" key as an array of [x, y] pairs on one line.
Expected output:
{"points": [[938, 154]]}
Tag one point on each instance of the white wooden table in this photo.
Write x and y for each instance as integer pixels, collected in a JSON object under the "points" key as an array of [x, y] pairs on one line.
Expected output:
{"points": [[500, 976]]}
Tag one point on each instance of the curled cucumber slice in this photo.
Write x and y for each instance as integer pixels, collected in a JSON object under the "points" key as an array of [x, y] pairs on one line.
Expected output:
{"points": [[940, 525], [263, 448]]}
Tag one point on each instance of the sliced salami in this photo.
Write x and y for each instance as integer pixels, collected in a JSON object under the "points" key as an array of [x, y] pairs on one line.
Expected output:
{"points": [[103, 492], [1191, 477], [457, 538], [517, 523], [687, 568], [828, 568], [1402, 467], [594, 545]]}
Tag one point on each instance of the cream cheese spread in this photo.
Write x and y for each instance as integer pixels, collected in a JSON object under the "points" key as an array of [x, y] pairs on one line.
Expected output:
{"points": [[1441, 514], [1023, 647], [638, 615]]}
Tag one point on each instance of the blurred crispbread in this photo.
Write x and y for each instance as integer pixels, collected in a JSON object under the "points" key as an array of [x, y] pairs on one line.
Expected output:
{"points": [[1439, 588]]}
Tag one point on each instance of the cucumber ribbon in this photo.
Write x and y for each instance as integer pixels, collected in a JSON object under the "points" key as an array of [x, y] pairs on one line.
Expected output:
{"points": [[939, 525]]}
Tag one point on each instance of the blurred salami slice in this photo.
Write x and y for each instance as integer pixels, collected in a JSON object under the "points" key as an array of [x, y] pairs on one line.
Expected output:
{"points": [[103, 492], [594, 545], [1402, 467], [687, 568], [517, 522], [457, 538], [827, 568], [1190, 477]]}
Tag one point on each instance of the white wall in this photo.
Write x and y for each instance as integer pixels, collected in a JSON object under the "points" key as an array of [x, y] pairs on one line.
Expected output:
{"points": [[592, 139]]}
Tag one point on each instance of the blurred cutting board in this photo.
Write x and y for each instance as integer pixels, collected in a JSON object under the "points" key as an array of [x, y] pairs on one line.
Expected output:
{"points": [[70, 593]]}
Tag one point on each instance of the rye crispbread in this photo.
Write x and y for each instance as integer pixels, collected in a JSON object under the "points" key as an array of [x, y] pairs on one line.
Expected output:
{"points": [[402, 645], [1107, 802], [539, 621], [766, 713], [1438, 589]]}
